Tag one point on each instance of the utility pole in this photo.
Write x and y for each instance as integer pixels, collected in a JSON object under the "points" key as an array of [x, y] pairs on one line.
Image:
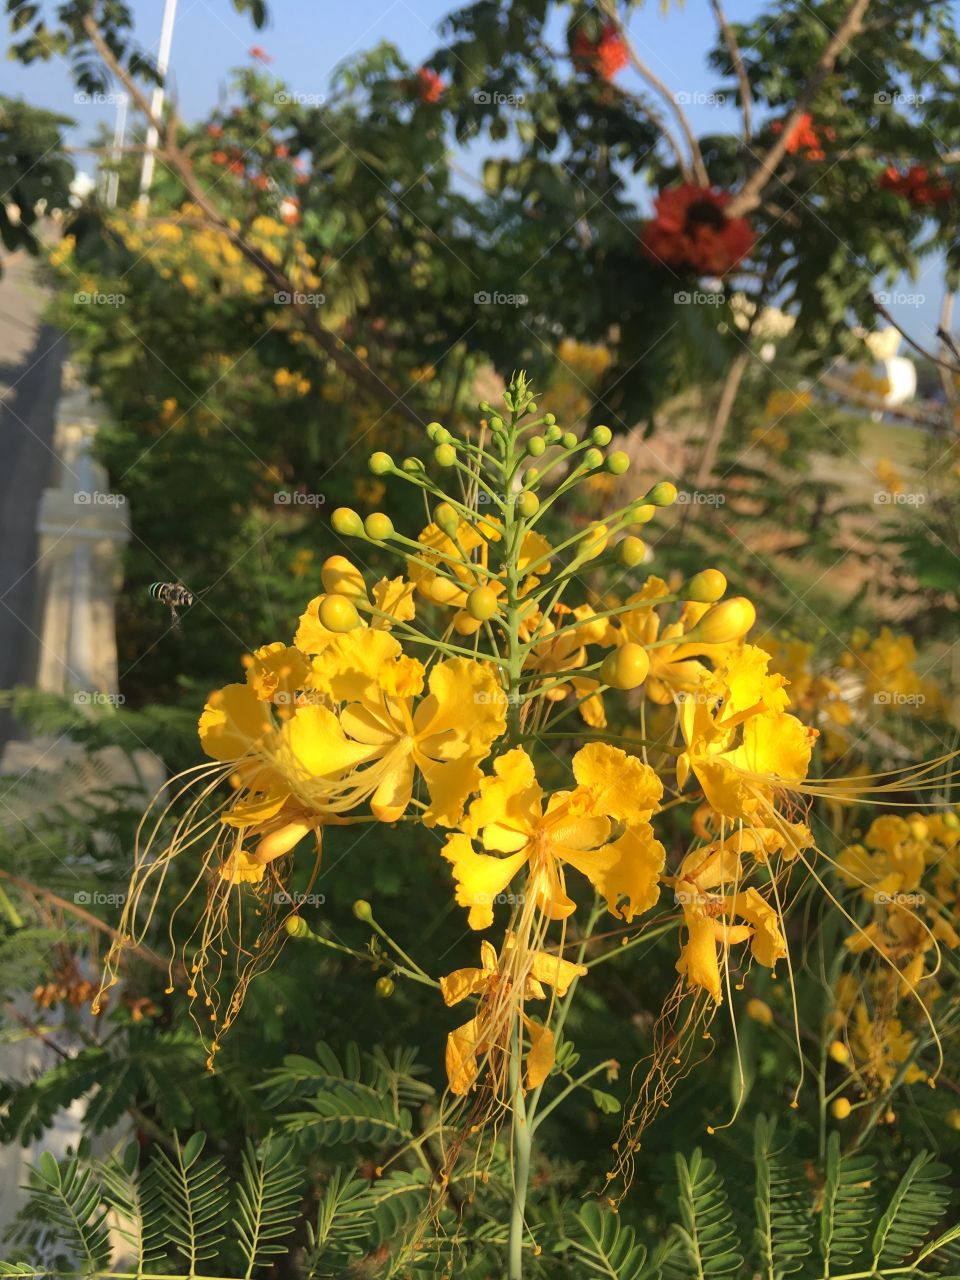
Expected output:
{"points": [[156, 106]]}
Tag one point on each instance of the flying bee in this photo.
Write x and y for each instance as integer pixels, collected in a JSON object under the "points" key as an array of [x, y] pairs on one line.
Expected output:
{"points": [[176, 595]]}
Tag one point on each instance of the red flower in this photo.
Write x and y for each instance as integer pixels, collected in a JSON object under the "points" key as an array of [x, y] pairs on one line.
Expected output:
{"points": [[604, 57], [214, 131], [290, 210], [260, 181], [691, 230], [219, 157], [281, 151], [427, 85], [805, 137], [917, 185], [259, 54], [237, 166]]}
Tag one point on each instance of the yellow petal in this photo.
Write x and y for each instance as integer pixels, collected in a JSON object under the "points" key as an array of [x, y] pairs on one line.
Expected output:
{"points": [[511, 798], [767, 944], [463, 1045], [619, 784], [542, 1053], [698, 958], [234, 720], [394, 596], [627, 868], [465, 712], [318, 747], [450, 785], [392, 796], [555, 971], [479, 877], [312, 636], [461, 983]]}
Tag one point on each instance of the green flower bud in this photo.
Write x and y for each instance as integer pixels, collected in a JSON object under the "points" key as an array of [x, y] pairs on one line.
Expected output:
{"points": [[528, 504], [548, 419], [363, 910], [296, 926], [381, 464], [411, 465], [553, 434], [601, 435], [536, 446], [432, 429], [346, 522], [569, 440], [385, 988], [631, 551], [593, 458], [445, 455], [618, 462], [663, 494], [378, 527]]}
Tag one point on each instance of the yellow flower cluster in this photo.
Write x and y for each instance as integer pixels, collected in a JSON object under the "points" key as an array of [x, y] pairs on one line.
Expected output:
{"points": [[446, 695]]}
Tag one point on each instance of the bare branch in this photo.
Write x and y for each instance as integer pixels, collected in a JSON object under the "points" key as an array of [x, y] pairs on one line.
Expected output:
{"points": [[749, 195], [366, 380], [881, 310], [736, 61]]}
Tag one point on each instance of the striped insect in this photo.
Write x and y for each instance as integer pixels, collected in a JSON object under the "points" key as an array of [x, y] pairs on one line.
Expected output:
{"points": [[174, 594]]}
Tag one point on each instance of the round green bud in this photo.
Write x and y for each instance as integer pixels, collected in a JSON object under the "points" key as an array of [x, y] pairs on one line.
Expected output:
{"points": [[363, 910], [346, 522], [496, 423], [626, 667], [447, 519], [531, 408], [411, 465], [631, 551], [530, 477], [601, 435], [445, 455], [548, 419], [528, 504], [663, 494], [643, 513], [378, 527], [705, 587], [380, 463], [536, 446], [432, 429], [296, 926], [482, 603], [553, 434], [338, 613], [618, 463], [592, 459], [385, 988], [569, 440]]}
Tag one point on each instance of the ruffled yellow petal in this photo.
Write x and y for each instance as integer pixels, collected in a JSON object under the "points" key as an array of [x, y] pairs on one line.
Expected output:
{"points": [[462, 983], [768, 944], [464, 712], [450, 785], [233, 722], [317, 746], [463, 1048], [393, 596], [628, 868], [512, 798], [276, 672], [555, 971], [620, 785], [312, 636], [479, 877], [541, 1055], [698, 958]]}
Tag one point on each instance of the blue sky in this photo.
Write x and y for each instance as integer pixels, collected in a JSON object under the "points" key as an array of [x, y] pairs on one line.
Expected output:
{"points": [[309, 38]]}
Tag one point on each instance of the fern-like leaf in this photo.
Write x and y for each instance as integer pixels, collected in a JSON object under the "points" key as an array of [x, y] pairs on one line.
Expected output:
{"points": [[268, 1200], [340, 1232], [848, 1206], [601, 1246], [70, 1200], [706, 1240], [135, 1195], [196, 1199], [917, 1205], [784, 1212], [352, 1113]]}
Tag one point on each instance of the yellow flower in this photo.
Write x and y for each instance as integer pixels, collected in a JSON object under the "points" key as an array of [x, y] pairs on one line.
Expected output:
{"points": [[382, 724], [509, 821], [503, 985], [740, 743], [710, 916], [566, 652], [392, 599]]}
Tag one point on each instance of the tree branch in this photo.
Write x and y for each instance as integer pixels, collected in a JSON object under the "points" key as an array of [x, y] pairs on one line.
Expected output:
{"points": [[749, 195], [736, 61], [368, 382]]}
